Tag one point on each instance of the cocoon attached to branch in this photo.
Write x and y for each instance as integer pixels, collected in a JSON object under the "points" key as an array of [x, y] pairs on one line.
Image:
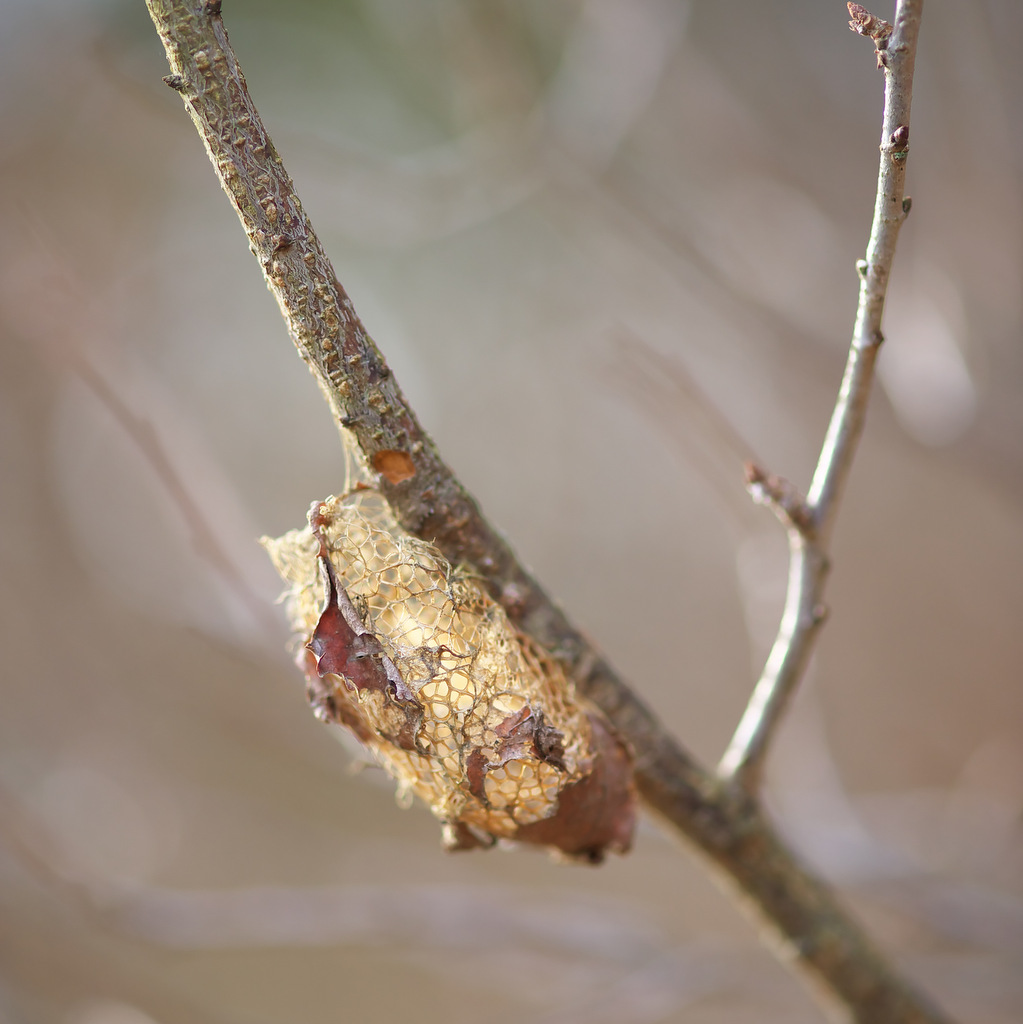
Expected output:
{"points": [[414, 657]]}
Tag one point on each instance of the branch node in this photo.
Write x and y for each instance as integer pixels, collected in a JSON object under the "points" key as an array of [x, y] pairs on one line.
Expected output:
{"points": [[176, 82], [907, 205], [212, 8], [781, 497], [897, 146], [862, 267], [866, 24]]}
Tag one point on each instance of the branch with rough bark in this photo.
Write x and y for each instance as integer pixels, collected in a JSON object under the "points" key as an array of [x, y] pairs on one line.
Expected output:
{"points": [[718, 812]]}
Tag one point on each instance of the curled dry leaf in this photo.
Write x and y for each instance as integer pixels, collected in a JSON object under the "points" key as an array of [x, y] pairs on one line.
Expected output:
{"points": [[460, 708]]}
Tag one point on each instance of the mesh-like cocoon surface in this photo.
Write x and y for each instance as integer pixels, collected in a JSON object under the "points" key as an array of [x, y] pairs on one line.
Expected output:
{"points": [[420, 663]]}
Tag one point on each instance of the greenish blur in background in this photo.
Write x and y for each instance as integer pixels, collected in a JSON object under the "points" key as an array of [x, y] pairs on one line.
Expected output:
{"points": [[608, 248]]}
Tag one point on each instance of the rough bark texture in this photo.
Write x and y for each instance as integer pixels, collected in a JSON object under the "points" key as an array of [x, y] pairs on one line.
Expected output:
{"points": [[723, 821]]}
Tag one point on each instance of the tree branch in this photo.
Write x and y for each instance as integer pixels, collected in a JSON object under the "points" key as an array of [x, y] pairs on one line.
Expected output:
{"points": [[727, 825], [809, 524]]}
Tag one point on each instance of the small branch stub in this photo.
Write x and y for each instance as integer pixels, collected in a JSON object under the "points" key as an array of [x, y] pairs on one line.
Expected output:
{"points": [[781, 496], [866, 24], [360, 658], [413, 657]]}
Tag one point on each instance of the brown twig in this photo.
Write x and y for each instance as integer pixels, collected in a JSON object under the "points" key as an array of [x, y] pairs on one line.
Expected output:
{"points": [[810, 523], [725, 823]]}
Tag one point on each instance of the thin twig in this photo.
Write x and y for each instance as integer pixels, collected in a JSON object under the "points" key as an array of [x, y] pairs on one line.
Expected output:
{"points": [[727, 825], [809, 531]]}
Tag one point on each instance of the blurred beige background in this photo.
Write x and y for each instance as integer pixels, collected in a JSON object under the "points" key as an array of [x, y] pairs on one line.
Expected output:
{"points": [[586, 235]]}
